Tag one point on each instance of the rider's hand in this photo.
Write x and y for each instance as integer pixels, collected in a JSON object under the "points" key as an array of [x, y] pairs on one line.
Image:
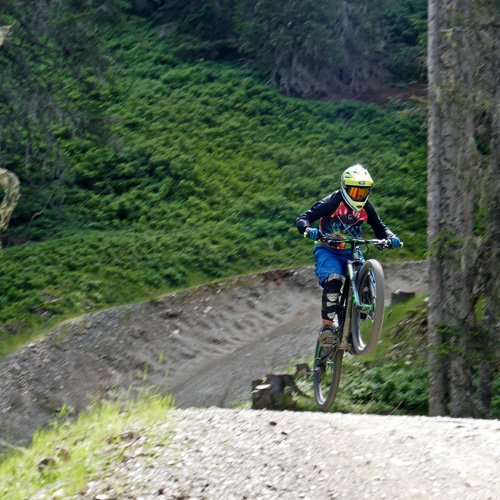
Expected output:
{"points": [[313, 233], [395, 242]]}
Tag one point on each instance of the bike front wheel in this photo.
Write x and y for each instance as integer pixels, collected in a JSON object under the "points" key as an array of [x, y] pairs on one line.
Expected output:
{"points": [[368, 315], [326, 375]]}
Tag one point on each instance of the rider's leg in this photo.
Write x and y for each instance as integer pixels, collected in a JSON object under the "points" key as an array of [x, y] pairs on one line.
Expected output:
{"points": [[330, 298], [329, 270]]}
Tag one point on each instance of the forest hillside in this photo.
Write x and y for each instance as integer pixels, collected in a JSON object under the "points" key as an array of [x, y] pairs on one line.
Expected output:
{"points": [[156, 151]]}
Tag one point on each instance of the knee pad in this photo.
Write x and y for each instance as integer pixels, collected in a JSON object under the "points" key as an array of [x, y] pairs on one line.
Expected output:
{"points": [[330, 298]]}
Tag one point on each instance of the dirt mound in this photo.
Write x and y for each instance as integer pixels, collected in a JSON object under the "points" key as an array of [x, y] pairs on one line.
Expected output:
{"points": [[204, 345]]}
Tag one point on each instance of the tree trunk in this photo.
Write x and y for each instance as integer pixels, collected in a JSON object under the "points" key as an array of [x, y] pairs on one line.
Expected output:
{"points": [[450, 210], [436, 371], [4, 30], [10, 184], [492, 262]]}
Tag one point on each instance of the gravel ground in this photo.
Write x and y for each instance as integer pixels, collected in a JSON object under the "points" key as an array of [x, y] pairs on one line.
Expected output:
{"points": [[227, 454]]}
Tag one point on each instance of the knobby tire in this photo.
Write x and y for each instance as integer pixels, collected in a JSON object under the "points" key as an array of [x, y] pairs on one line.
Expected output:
{"points": [[366, 326], [326, 377]]}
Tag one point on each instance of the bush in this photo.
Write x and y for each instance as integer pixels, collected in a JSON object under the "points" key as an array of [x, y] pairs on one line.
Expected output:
{"points": [[201, 171]]}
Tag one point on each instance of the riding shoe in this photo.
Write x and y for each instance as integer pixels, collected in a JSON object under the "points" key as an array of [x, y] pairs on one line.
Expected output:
{"points": [[328, 336]]}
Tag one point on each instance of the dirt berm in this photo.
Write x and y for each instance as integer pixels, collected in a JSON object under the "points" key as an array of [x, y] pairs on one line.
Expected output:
{"points": [[205, 345]]}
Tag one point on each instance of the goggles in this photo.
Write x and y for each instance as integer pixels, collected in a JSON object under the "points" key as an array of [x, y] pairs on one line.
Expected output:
{"points": [[358, 193]]}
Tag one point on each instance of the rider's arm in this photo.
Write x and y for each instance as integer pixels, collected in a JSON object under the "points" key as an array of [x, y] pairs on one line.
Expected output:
{"points": [[379, 228], [322, 208]]}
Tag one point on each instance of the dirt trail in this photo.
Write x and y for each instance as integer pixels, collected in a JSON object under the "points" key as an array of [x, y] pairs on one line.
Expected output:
{"points": [[221, 381], [205, 345]]}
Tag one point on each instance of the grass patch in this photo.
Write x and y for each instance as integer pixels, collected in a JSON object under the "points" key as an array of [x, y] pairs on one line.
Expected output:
{"points": [[63, 458]]}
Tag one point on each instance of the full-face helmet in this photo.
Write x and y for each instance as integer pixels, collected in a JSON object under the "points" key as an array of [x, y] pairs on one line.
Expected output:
{"points": [[355, 185]]}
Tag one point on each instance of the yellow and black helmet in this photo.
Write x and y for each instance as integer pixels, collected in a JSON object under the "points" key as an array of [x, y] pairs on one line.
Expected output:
{"points": [[355, 185]]}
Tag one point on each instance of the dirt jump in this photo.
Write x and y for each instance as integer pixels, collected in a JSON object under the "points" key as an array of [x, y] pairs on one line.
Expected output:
{"points": [[204, 345]]}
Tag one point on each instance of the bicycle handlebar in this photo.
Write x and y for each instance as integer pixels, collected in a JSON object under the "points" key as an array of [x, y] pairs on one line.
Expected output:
{"points": [[330, 238]]}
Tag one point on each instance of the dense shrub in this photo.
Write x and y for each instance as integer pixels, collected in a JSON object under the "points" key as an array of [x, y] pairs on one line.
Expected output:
{"points": [[199, 172]]}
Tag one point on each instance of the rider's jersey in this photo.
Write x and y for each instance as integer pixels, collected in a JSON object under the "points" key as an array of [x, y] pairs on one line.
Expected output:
{"points": [[336, 218]]}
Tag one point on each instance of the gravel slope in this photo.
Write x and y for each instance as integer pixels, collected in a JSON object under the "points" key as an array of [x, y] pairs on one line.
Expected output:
{"points": [[218, 454]]}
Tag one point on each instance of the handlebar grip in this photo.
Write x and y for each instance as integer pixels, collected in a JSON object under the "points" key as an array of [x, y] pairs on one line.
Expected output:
{"points": [[320, 234]]}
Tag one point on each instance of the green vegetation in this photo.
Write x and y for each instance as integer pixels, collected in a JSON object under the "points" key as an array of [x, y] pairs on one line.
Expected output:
{"points": [[394, 379], [63, 459], [312, 49], [195, 171]]}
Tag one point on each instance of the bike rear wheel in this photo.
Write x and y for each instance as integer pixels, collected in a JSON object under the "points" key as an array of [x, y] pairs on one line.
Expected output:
{"points": [[326, 375], [368, 316]]}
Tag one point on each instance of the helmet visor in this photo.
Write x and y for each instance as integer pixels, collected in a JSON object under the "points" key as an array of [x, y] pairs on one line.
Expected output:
{"points": [[358, 193]]}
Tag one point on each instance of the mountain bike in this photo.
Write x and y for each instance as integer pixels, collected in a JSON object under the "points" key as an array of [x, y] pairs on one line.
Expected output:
{"points": [[360, 314]]}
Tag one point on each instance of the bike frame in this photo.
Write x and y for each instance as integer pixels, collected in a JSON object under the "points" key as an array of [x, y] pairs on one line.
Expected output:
{"points": [[350, 288]]}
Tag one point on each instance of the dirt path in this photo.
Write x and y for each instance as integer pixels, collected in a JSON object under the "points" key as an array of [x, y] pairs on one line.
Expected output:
{"points": [[222, 382], [205, 345]]}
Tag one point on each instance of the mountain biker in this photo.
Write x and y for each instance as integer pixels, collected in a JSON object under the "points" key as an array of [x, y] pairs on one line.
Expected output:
{"points": [[340, 214]]}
